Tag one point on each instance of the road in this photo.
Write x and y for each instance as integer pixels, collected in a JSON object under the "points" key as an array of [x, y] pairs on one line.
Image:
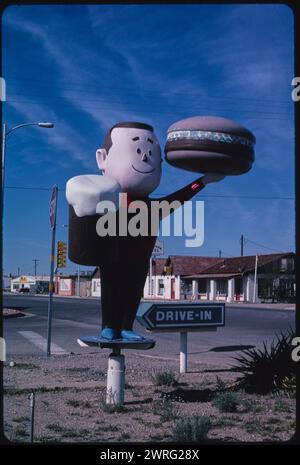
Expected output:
{"points": [[73, 317]]}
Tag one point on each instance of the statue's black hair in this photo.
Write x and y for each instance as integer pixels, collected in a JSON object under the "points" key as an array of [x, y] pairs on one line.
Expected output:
{"points": [[108, 141]]}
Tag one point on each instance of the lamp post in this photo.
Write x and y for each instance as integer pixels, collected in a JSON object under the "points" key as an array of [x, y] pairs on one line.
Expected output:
{"points": [[5, 132]]}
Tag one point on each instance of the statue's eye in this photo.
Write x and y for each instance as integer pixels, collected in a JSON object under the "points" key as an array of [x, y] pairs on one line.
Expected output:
{"points": [[150, 153], [138, 150]]}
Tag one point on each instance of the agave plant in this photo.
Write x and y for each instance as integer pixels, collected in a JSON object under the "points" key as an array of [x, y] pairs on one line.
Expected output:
{"points": [[289, 385], [264, 370]]}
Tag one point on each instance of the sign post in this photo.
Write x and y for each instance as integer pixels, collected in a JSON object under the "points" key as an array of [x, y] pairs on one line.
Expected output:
{"points": [[183, 318], [53, 208], [183, 352]]}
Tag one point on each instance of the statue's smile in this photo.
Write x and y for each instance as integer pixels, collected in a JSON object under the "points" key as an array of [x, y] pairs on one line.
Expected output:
{"points": [[143, 172]]}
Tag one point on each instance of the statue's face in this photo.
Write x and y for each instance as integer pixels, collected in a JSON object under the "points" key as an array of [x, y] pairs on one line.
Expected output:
{"points": [[134, 160]]}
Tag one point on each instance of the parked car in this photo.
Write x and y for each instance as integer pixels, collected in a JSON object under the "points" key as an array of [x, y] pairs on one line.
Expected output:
{"points": [[24, 290]]}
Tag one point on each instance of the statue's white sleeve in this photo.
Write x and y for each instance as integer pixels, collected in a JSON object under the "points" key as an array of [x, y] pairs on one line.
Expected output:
{"points": [[85, 192]]}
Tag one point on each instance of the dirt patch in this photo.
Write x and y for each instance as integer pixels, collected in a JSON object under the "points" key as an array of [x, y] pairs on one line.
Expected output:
{"points": [[70, 406]]}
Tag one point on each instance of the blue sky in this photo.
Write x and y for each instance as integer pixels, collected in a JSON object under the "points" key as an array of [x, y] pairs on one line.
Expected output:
{"points": [[87, 67]]}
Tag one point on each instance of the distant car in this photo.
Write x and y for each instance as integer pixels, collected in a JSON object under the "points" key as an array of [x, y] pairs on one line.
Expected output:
{"points": [[24, 290]]}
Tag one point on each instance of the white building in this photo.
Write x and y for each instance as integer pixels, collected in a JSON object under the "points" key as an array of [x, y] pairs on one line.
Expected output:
{"points": [[96, 284], [218, 279], [32, 283], [223, 279]]}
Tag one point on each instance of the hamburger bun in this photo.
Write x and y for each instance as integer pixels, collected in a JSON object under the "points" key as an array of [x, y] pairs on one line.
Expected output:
{"points": [[210, 144]]}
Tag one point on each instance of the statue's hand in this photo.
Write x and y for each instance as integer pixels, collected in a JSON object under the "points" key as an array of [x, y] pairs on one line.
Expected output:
{"points": [[85, 192], [212, 177]]}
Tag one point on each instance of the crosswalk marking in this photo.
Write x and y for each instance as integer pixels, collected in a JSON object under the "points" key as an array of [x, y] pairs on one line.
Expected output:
{"points": [[40, 342]]}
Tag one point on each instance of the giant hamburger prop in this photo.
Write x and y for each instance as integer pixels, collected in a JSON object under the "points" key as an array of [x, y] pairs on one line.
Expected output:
{"points": [[210, 144]]}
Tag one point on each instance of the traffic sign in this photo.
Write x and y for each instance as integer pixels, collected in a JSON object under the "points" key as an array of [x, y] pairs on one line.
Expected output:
{"points": [[158, 248], [53, 203], [181, 316]]}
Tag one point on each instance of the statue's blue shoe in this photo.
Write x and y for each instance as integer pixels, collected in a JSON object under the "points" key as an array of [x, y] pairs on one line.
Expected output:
{"points": [[130, 335], [108, 333]]}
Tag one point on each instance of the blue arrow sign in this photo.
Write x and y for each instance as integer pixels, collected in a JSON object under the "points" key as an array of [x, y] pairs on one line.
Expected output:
{"points": [[180, 315]]}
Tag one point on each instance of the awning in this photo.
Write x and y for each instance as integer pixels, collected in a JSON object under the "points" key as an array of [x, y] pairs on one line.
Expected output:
{"points": [[212, 275]]}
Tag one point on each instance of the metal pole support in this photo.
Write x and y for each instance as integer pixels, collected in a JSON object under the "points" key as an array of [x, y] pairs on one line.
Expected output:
{"points": [[32, 405], [115, 378], [183, 352]]}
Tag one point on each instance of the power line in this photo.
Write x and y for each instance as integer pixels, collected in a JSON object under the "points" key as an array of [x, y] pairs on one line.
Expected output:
{"points": [[144, 91], [162, 195], [128, 107], [261, 245], [233, 105]]}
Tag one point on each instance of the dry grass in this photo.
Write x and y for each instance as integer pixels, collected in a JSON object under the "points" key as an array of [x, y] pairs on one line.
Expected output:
{"points": [[69, 403]]}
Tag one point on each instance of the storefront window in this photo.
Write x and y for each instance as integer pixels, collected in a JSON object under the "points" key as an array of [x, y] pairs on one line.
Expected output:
{"points": [[161, 287]]}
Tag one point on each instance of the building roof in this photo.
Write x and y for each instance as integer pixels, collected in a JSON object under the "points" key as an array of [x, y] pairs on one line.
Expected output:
{"points": [[83, 277], [96, 273], [209, 267], [187, 265], [158, 265], [213, 275], [29, 278], [242, 265]]}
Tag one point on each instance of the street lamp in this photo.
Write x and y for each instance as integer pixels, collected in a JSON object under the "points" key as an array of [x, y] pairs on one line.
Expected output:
{"points": [[6, 132]]}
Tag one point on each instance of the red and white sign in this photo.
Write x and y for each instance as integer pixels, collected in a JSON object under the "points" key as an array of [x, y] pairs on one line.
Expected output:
{"points": [[158, 248], [53, 203]]}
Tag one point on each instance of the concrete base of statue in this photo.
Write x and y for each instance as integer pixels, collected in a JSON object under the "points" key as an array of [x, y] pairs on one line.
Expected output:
{"points": [[116, 363]]}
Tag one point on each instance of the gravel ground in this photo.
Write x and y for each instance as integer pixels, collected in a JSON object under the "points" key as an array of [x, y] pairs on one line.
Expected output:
{"points": [[70, 407]]}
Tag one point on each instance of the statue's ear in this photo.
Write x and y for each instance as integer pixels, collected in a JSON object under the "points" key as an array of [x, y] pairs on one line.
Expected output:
{"points": [[101, 155]]}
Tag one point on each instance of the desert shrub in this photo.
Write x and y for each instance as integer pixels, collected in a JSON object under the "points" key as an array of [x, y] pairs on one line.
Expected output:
{"points": [[164, 378], [289, 385], [265, 370], [226, 401], [191, 429], [166, 409], [220, 384]]}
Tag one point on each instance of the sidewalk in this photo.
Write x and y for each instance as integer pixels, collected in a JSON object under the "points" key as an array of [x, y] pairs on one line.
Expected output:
{"points": [[275, 306]]}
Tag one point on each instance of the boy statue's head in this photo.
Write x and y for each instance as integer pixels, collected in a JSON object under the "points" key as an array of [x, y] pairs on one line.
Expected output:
{"points": [[132, 156]]}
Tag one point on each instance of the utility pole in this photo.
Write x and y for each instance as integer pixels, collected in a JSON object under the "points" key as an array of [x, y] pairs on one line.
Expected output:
{"points": [[78, 280], [242, 242], [220, 253], [255, 280], [150, 278], [18, 271], [35, 260], [53, 208]]}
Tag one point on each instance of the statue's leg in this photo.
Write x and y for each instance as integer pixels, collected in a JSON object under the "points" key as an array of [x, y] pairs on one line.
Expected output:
{"points": [[132, 292], [110, 297]]}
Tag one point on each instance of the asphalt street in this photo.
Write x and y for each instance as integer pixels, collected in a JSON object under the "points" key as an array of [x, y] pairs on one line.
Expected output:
{"points": [[74, 317]]}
